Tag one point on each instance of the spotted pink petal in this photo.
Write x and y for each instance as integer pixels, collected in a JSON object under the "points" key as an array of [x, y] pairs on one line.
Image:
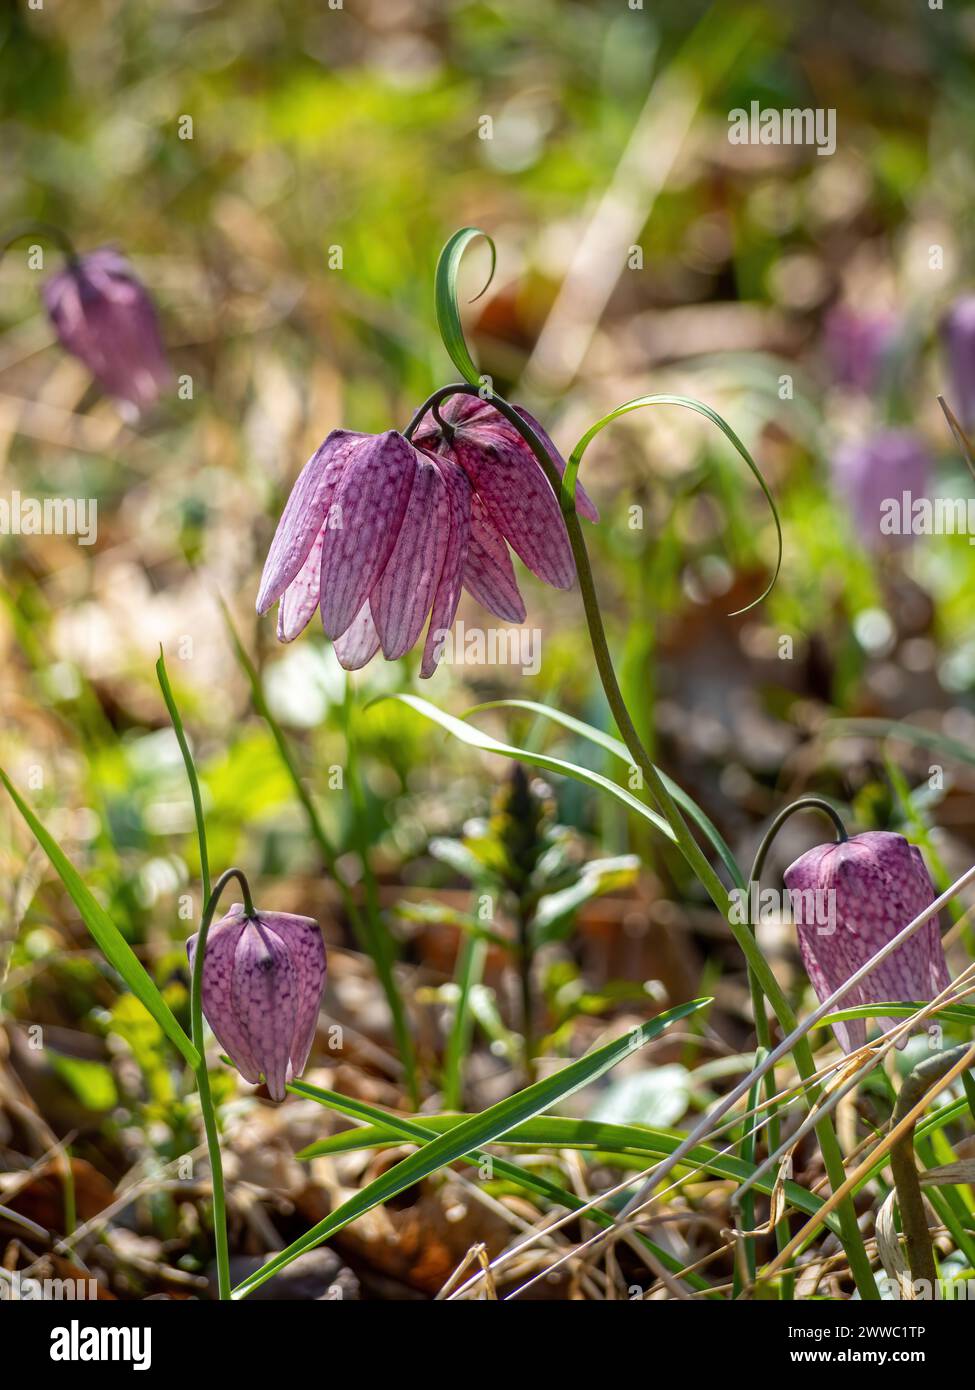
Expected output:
{"points": [[519, 501], [359, 642], [302, 596], [306, 513], [452, 576], [401, 600], [303, 939], [264, 998], [370, 504], [585, 506], [218, 972], [489, 574]]}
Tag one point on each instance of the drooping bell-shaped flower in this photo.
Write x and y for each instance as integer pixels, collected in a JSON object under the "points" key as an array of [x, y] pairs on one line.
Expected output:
{"points": [[263, 981], [958, 333], [515, 504], [872, 475], [102, 314], [872, 886], [381, 533]]}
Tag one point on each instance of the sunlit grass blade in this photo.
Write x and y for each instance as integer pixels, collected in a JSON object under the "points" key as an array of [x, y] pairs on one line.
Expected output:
{"points": [[163, 677], [109, 939], [564, 1132], [399, 1128], [473, 1133], [619, 750], [474, 738]]}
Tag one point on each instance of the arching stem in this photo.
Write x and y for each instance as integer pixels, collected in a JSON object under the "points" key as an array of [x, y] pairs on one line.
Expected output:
{"points": [[691, 850]]}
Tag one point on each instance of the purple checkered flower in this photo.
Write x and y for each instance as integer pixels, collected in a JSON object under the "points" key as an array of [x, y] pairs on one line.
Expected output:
{"points": [[263, 981], [873, 473], [877, 883], [381, 533], [857, 345], [958, 333], [103, 315]]}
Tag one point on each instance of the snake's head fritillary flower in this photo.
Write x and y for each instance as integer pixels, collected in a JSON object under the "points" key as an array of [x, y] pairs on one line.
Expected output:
{"points": [[375, 534], [958, 332], [876, 883], [513, 502], [381, 533], [263, 981], [102, 314], [873, 473], [857, 345]]}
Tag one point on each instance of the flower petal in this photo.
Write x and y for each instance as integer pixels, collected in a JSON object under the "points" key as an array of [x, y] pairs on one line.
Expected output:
{"points": [[303, 938], [370, 505], [518, 500], [452, 576], [401, 600], [305, 513], [359, 643], [585, 506], [489, 574], [218, 970], [302, 596], [265, 996]]}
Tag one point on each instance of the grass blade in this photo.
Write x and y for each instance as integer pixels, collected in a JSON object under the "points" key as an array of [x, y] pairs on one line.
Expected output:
{"points": [[109, 939], [471, 1134]]}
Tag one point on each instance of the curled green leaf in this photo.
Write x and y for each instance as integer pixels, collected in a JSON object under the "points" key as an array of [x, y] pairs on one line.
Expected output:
{"points": [[448, 306]]}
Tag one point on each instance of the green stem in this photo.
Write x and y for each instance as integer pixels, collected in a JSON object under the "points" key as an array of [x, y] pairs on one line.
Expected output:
{"points": [[748, 1147], [41, 229], [203, 1075], [701, 866], [910, 1202]]}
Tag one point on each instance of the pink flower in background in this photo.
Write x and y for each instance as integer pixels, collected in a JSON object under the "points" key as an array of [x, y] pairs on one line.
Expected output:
{"points": [[958, 333], [857, 345], [263, 981], [381, 533], [103, 315], [870, 472], [877, 883]]}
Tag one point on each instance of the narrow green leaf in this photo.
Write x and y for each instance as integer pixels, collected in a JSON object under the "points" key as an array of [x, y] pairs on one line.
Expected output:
{"points": [[564, 1132], [474, 738], [162, 676], [619, 750], [398, 1128], [951, 1013], [471, 1134], [109, 939], [448, 307], [572, 468]]}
